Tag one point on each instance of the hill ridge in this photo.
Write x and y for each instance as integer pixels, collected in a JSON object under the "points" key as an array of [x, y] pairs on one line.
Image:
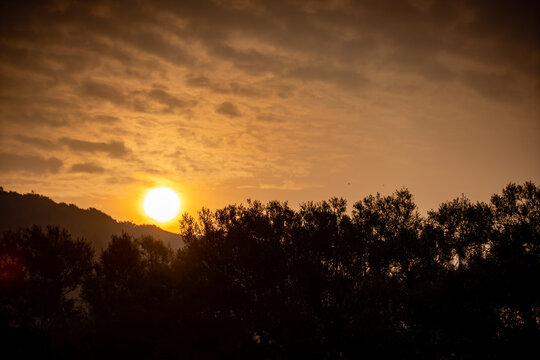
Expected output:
{"points": [[22, 210]]}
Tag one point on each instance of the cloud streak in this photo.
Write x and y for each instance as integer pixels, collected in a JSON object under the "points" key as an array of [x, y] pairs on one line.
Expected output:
{"points": [[115, 149], [228, 109], [89, 168], [33, 164], [37, 142]]}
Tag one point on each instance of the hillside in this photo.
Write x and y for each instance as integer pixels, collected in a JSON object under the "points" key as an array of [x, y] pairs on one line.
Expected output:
{"points": [[19, 211]]}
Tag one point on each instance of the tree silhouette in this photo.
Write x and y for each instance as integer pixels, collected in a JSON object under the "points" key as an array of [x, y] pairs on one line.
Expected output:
{"points": [[41, 274], [269, 281]]}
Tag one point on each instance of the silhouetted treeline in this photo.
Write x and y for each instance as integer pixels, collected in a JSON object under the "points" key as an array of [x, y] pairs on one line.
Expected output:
{"points": [[265, 281]]}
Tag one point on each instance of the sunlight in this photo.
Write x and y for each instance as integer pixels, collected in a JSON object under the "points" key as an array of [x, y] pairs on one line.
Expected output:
{"points": [[161, 204]]}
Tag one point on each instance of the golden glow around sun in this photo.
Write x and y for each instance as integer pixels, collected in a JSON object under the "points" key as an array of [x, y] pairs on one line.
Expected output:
{"points": [[161, 204]]}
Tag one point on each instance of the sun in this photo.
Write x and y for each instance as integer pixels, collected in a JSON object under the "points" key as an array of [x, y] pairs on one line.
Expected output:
{"points": [[161, 204]]}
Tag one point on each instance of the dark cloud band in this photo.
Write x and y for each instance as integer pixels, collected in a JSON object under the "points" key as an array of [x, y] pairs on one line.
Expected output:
{"points": [[29, 163]]}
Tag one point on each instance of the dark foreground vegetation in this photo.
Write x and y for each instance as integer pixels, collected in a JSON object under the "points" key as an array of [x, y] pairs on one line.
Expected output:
{"points": [[266, 281]]}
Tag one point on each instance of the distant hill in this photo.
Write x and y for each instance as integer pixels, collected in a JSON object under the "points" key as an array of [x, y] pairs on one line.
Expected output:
{"points": [[20, 211]]}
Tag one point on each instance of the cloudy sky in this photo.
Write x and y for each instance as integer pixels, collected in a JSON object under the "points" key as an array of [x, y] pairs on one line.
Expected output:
{"points": [[288, 100]]}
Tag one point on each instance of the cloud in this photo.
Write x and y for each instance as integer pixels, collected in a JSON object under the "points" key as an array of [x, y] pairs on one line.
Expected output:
{"points": [[348, 79], [87, 168], [29, 163], [422, 62], [37, 142], [338, 76], [102, 91], [233, 87], [28, 113], [492, 85], [251, 60], [121, 180], [105, 119], [172, 102], [286, 185], [136, 100], [243, 90], [155, 43], [115, 149], [198, 81], [228, 109], [271, 118]]}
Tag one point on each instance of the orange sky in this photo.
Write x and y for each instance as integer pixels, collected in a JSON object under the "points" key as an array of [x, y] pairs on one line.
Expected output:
{"points": [[293, 100]]}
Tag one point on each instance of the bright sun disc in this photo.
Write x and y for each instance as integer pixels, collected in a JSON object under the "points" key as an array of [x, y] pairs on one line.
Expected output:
{"points": [[161, 204]]}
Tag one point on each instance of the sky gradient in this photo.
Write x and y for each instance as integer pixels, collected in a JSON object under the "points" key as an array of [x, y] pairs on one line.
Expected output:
{"points": [[295, 100]]}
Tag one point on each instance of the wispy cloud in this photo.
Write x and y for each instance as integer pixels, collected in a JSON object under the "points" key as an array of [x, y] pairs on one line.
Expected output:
{"points": [[228, 109], [114, 148], [34, 164], [286, 185], [87, 168], [37, 142]]}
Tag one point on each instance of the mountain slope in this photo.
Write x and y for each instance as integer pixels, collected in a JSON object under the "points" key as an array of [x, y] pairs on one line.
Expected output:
{"points": [[19, 211]]}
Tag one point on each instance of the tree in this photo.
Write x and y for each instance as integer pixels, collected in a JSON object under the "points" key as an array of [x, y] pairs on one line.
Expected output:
{"points": [[268, 281], [41, 275]]}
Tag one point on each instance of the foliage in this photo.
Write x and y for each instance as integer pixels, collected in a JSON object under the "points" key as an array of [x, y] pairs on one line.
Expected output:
{"points": [[268, 281], [41, 273]]}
